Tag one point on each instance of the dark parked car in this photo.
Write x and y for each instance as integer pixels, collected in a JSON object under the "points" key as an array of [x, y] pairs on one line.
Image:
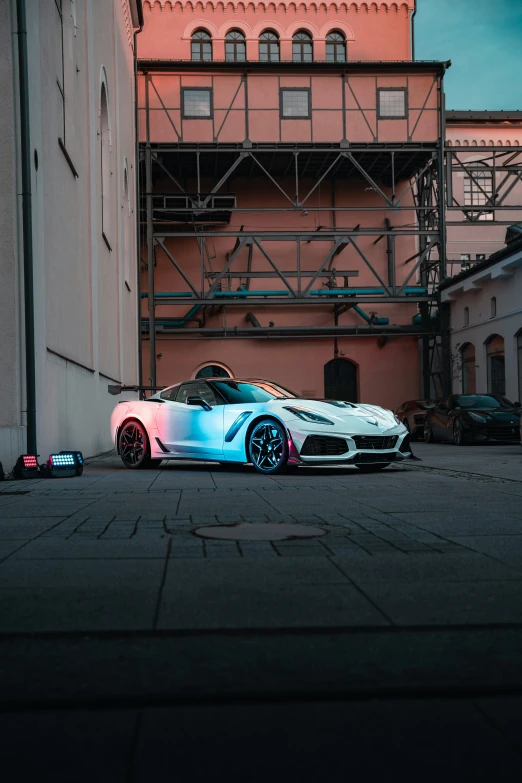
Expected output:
{"points": [[478, 418], [412, 415]]}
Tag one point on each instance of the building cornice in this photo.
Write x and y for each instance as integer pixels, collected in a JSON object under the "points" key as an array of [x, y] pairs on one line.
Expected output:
{"points": [[350, 6], [253, 66]]}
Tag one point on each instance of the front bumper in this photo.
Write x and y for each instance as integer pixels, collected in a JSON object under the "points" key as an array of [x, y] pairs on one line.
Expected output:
{"points": [[498, 433], [354, 454]]}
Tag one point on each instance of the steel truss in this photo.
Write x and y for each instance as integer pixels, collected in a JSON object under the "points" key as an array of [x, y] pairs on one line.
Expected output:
{"points": [[427, 170]]}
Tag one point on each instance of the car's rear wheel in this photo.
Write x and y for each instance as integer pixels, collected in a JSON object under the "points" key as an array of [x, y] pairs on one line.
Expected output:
{"points": [[428, 432], [134, 447], [268, 447], [373, 468], [458, 433]]}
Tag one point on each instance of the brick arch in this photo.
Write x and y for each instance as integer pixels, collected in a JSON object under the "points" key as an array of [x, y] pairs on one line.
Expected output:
{"points": [[329, 27], [200, 24], [235, 24], [269, 25], [308, 26]]}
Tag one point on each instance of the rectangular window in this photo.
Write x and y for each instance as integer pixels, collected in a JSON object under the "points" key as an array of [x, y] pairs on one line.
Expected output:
{"points": [[295, 104], [392, 103], [196, 103]]}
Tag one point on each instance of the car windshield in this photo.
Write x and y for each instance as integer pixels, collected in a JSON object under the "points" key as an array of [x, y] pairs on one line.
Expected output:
{"points": [[482, 401], [425, 404], [236, 392]]}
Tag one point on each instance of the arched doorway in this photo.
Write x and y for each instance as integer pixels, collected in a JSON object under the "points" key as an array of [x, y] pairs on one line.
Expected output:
{"points": [[496, 364], [340, 380], [213, 371]]}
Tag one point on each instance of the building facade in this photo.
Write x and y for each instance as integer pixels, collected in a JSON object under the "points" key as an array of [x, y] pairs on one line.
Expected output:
{"points": [[486, 323], [68, 295], [290, 155]]}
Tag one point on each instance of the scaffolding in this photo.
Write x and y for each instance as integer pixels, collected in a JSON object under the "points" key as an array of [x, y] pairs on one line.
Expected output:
{"points": [[203, 212]]}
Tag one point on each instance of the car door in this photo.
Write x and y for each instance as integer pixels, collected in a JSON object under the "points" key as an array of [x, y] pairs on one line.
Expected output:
{"points": [[440, 420], [190, 430]]}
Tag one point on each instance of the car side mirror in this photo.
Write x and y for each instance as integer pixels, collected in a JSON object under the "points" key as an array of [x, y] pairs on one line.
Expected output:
{"points": [[199, 401], [443, 407]]}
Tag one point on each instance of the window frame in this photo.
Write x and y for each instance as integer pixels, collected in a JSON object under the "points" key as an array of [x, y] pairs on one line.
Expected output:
{"points": [[336, 44], [235, 42], [282, 90], [301, 43], [395, 116], [268, 43], [200, 43], [185, 116]]}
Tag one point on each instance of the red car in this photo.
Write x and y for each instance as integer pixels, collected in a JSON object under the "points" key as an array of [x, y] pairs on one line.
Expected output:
{"points": [[412, 414]]}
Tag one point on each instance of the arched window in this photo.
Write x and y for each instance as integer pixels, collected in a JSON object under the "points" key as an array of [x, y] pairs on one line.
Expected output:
{"points": [[466, 316], [478, 188], [213, 371], [105, 166], [496, 364], [302, 48], [235, 46], [201, 45], [493, 306], [269, 47], [335, 47], [468, 369]]}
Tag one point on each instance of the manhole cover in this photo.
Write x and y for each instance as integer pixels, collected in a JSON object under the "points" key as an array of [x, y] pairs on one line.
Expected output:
{"points": [[259, 532]]}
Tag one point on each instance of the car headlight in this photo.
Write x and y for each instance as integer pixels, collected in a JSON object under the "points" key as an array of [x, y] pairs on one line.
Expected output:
{"points": [[477, 417], [306, 415], [397, 420]]}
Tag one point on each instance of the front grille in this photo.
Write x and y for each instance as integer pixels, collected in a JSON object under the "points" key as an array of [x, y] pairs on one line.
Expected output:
{"points": [[375, 441], [365, 457], [323, 446], [504, 433], [405, 445]]}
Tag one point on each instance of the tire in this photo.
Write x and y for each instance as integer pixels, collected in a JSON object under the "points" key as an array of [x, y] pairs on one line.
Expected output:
{"points": [[375, 468], [428, 433], [458, 433], [268, 447], [134, 447]]}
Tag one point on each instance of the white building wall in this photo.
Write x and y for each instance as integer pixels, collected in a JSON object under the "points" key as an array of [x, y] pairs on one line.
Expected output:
{"points": [[85, 309], [475, 293]]}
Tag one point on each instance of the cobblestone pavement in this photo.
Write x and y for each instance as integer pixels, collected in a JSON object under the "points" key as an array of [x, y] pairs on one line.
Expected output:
{"points": [[177, 657]]}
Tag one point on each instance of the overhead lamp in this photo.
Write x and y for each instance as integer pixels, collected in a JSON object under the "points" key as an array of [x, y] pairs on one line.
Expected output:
{"points": [[65, 464], [26, 467]]}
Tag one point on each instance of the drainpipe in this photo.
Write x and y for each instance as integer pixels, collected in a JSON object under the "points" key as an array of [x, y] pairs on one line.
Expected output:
{"points": [[137, 197], [413, 32], [27, 226], [253, 320]]}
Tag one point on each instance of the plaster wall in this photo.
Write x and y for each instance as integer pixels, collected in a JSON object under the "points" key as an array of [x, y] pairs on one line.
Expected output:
{"points": [[85, 292], [482, 237], [507, 323], [373, 30]]}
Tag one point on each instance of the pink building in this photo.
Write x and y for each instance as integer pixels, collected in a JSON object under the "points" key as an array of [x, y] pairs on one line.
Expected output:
{"points": [[290, 161]]}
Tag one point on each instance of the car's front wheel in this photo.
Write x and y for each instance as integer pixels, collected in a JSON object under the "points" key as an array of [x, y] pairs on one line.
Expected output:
{"points": [[134, 447], [373, 468], [268, 447], [458, 433]]}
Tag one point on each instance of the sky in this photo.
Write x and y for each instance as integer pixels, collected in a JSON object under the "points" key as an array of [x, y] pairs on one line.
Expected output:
{"points": [[483, 40]]}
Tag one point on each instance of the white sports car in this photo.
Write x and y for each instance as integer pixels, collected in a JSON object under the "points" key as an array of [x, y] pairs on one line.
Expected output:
{"points": [[251, 420]]}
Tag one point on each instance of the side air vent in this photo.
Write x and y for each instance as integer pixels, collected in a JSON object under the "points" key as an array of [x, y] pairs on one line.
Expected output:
{"points": [[323, 446]]}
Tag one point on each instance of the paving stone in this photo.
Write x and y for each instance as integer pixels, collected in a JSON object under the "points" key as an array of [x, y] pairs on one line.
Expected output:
{"points": [[88, 549]]}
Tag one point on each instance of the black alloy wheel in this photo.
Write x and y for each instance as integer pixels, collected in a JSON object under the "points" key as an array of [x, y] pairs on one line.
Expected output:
{"points": [[373, 468], [134, 447], [428, 432], [458, 433], [268, 447]]}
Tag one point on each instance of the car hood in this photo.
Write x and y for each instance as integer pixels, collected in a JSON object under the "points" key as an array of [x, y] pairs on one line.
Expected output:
{"points": [[506, 415], [367, 419]]}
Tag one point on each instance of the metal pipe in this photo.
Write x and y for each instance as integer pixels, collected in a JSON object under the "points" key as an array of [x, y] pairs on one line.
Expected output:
{"points": [[413, 32], [253, 320], [308, 330], [137, 195], [27, 227]]}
